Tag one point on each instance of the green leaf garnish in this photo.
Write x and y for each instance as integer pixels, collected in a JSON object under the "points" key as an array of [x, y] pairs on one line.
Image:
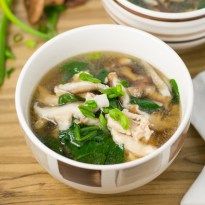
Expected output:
{"points": [[114, 92], [175, 91], [102, 75], [29, 43], [73, 67], [97, 147], [88, 108], [94, 56], [120, 117], [145, 104], [103, 122], [88, 77], [124, 83], [67, 98]]}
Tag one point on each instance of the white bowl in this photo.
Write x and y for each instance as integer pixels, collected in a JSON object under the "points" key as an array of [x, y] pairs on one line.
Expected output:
{"points": [[175, 17], [176, 32], [116, 178]]}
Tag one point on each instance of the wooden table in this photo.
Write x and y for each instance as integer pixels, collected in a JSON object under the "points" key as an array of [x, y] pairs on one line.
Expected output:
{"points": [[23, 181]]}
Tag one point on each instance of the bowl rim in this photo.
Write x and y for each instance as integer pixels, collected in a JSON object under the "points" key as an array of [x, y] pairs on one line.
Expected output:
{"points": [[161, 16], [30, 134]]}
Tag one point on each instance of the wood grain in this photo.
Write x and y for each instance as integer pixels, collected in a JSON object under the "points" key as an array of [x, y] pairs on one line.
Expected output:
{"points": [[23, 181]]}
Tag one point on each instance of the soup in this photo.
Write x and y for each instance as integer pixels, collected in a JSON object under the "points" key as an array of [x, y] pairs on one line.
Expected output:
{"points": [[105, 108], [170, 6]]}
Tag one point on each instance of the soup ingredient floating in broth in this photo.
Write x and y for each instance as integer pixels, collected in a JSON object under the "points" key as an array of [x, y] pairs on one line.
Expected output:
{"points": [[171, 6], [105, 108]]}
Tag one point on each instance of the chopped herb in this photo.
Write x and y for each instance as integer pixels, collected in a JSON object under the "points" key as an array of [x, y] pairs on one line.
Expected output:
{"points": [[67, 98], [88, 77], [145, 104], [73, 67], [120, 117], [103, 122], [124, 83], [114, 92], [94, 56], [30, 43], [175, 91], [18, 37], [102, 75], [88, 108], [115, 103]]}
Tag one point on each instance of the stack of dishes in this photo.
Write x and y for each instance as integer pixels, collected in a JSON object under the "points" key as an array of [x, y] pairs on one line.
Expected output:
{"points": [[181, 30]]}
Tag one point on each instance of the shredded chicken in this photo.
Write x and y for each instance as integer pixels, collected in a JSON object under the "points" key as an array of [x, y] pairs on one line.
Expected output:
{"points": [[78, 87], [101, 100], [139, 126], [135, 146], [113, 81], [45, 97], [62, 115]]}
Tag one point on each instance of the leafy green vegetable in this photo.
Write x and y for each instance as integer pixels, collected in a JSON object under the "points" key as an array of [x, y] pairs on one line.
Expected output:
{"points": [[29, 43], [103, 122], [113, 103], [124, 83], [102, 75], [52, 13], [5, 7], [52, 143], [88, 77], [73, 67], [88, 108], [145, 104], [3, 34], [120, 117], [98, 149], [114, 92], [67, 98], [175, 91], [94, 56]]}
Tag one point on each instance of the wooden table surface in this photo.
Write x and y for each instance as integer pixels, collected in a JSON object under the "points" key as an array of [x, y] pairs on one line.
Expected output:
{"points": [[23, 181]]}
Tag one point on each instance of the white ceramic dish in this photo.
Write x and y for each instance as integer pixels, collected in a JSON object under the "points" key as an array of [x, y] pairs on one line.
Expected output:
{"points": [[104, 179], [163, 15], [176, 32]]}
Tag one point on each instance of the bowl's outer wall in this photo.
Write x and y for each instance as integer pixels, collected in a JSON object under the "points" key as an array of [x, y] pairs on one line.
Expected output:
{"points": [[104, 38]]}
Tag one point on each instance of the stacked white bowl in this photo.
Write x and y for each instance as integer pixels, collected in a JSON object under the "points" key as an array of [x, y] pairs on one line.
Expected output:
{"points": [[180, 30]]}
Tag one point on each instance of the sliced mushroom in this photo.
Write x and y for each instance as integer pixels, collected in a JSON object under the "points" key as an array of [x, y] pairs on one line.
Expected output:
{"points": [[78, 87], [124, 61], [45, 97], [159, 83], [62, 115], [128, 73], [35, 8], [113, 81]]}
